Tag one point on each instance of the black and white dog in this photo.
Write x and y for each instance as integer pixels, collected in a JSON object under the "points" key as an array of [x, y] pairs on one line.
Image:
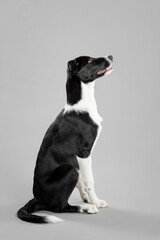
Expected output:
{"points": [[64, 159]]}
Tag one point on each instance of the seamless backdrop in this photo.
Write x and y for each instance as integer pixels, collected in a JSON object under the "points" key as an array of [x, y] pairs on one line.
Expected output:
{"points": [[37, 38]]}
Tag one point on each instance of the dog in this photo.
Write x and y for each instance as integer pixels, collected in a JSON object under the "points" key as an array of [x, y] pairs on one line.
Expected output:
{"points": [[64, 159]]}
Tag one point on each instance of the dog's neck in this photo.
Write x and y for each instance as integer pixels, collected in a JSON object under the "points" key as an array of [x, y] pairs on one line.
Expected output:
{"points": [[73, 90], [83, 100]]}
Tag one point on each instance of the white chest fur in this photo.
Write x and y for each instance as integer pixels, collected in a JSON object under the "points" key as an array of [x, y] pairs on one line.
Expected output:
{"points": [[87, 104]]}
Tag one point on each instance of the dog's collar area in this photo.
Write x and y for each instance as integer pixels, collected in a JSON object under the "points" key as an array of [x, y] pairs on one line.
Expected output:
{"points": [[108, 69]]}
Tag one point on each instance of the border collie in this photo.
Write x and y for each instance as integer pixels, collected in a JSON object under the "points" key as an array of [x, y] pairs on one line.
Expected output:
{"points": [[64, 159]]}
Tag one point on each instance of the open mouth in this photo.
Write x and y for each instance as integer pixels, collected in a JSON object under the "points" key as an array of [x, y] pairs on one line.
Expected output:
{"points": [[106, 70]]}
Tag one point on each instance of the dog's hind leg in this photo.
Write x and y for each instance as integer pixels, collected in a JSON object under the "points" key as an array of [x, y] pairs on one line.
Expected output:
{"points": [[62, 182], [59, 185]]}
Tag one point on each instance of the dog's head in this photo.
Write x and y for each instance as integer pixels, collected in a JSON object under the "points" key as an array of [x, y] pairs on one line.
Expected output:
{"points": [[87, 69]]}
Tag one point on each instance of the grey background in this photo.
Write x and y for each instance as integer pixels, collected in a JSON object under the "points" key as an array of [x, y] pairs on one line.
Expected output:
{"points": [[37, 39]]}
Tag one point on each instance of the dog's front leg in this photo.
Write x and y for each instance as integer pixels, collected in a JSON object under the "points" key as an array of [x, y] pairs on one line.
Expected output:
{"points": [[85, 165], [82, 189]]}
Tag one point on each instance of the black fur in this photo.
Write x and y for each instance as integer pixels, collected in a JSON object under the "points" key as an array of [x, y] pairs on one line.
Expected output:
{"points": [[71, 134], [73, 89]]}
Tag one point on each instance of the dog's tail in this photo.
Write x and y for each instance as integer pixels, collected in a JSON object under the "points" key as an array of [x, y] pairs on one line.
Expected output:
{"points": [[25, 213]]}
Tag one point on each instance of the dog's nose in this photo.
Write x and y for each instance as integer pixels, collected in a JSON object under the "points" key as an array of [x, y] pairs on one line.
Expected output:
{"points": [[110, 57]]}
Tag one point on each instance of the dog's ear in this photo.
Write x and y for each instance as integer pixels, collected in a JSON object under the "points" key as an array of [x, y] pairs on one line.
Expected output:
{"points": [[72, 66]]}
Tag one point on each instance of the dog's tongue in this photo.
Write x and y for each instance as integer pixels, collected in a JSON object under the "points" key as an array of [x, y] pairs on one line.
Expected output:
{"points": [[104, 70]]}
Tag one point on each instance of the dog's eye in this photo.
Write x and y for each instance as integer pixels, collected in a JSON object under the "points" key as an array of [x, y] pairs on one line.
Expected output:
{"points": [[90, 60]]}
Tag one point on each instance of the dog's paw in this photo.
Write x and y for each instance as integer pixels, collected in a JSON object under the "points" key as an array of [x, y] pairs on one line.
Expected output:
{"points": [[88, 208], [92, 209], [100, 204]]}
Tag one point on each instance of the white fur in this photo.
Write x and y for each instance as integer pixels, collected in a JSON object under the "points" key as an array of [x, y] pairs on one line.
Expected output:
{"points": [[109, 60], [92, 209], [85, 166], [82, 189], [53, 219], [87, 103], [86, 182]]}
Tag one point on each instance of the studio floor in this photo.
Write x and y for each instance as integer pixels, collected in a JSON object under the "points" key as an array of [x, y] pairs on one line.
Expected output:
{"points": [[110, 223]]}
